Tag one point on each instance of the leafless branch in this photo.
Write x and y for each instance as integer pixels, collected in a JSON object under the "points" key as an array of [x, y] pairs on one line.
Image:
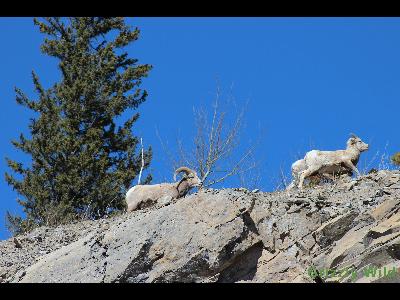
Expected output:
{"points": [[141, 168], [215, 153]]}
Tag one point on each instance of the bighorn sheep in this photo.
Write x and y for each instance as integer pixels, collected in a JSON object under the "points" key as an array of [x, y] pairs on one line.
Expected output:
{"points": [[328, 163], [300, 165], [140, 195]]}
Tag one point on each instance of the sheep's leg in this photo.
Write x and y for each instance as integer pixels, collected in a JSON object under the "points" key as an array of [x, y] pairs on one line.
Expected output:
{"points": [[130, 208], [349, 164], [306, 173], [329, 176], [295, 179], [134, 205], [301, 180]]}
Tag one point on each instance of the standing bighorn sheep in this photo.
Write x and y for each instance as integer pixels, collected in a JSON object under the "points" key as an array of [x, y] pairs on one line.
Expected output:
{"points": [[329, 163], [140, 195], [300, 165]]}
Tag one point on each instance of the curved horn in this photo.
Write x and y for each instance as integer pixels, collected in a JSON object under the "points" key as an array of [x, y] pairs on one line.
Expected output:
{"points": [[353, 135], [183, 169]]}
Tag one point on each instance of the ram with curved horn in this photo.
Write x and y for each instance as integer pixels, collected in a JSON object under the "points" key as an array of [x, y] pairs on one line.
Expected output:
{"points": [[141, 196]]}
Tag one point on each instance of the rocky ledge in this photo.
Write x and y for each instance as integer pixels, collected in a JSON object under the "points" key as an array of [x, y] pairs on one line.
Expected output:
{"points": [[346, 231]]}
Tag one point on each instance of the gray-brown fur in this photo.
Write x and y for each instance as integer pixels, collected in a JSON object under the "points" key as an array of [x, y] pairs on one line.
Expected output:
{"points": [[141, 195]]}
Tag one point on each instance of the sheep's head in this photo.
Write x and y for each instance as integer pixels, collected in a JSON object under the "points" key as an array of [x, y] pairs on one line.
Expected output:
{"points": [[190, 175], [356, 142]]}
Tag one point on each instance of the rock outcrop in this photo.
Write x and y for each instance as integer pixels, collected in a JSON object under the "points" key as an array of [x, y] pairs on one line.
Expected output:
{"points": [[347, 231]]}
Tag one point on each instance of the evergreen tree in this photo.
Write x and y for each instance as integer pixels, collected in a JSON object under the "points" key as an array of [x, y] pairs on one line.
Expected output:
{"points": [[82, 162]]}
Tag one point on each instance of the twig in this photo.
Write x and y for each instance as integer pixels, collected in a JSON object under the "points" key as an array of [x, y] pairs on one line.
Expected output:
{"points": [[141, 169]]}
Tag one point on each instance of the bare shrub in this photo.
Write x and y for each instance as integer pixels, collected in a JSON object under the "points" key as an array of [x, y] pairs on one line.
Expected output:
{"points": [[216, 152]]}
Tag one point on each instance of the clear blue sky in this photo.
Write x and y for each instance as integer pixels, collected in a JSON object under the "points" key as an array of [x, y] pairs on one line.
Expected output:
{"points": [[310, 82]]}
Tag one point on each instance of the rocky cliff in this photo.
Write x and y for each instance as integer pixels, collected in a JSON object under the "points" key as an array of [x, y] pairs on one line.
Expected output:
{"points": [[347, 231]]}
